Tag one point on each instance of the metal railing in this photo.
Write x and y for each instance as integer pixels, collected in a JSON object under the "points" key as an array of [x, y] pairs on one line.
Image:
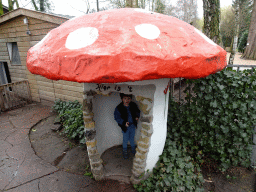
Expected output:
{"points": [[14, 95], [240, 66]]}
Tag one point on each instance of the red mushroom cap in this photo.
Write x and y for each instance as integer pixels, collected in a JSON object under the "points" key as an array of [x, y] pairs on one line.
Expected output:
{"points": [[125, 45]]}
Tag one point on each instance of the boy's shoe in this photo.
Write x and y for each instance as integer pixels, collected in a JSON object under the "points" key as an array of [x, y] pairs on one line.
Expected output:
{"points": [[133, 151], [125, 154]]}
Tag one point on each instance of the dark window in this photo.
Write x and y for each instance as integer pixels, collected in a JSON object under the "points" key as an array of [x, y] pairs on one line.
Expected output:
{"points": [[4, 73], [14, 53]]}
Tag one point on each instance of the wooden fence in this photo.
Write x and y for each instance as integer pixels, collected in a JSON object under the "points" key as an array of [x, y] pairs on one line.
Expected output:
{"points": [[14, 95]]}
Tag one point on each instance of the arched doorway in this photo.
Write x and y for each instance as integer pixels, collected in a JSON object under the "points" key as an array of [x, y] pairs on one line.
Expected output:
{"points": [[104, 135]]}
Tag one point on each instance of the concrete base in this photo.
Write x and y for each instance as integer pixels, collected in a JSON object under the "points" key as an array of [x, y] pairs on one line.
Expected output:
{"points": [[115, 166]]}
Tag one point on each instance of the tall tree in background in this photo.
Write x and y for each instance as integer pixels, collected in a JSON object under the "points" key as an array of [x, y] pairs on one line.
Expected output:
{"points": [[153, 5], [131, 3], [1, 8], [212, 19], [227, 25], [241, 10], [11, 4], [245, 12], [159, 6], [186, 10], [42, 5], [250, 51], [118, 3], [170, 10], [236, 7]]}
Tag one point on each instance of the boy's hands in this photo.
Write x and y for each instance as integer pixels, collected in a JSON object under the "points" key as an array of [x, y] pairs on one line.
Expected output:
{"points": [[127, 123]]}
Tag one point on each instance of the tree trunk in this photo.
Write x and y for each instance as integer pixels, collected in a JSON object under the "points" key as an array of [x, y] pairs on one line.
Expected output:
{"points": [[1, 8], [136, 5], [250, 51], [34, 4], [235, 39], [152, 5], [42, 8], [10, 3], [97, 1], [212, 19], [17, 4], [128, 3], [132, 4]]}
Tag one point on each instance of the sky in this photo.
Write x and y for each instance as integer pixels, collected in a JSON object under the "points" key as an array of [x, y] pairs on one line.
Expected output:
{"points": [[65, 7]]}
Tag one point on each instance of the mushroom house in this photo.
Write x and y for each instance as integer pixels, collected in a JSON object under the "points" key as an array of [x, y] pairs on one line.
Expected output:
{"points": [[130, 51]]}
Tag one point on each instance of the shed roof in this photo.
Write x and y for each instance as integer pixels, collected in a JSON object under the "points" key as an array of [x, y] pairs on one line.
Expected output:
{"points": [[34, 14]]}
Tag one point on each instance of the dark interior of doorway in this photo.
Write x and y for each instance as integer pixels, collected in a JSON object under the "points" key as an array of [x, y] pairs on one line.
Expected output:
{"points": [[7, 72]]}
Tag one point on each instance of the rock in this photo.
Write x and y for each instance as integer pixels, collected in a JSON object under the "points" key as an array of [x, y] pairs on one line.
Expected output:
{"points": [[56, 127]]}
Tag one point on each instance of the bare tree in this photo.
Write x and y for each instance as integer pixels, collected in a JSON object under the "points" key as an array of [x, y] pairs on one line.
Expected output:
{"points": [[152, 5], [85, 10], [250, 51], [186, 10], [118, 3], [160, 6], [170, 10], [42, 5]]}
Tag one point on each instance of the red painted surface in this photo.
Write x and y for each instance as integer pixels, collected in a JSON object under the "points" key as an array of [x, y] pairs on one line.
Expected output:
{"points": [[167, 87], [120, 54]]}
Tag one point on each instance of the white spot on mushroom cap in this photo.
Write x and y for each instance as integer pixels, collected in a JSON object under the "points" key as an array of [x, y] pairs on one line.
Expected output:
{"points": [[205, 37], [147, 31], [82, 37]]}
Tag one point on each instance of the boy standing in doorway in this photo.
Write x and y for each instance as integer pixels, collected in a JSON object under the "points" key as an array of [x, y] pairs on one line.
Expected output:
{"points": [[127, 115]]}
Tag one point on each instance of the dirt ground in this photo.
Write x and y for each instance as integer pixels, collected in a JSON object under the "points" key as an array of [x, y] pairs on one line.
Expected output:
{"points": [[239, 61]]}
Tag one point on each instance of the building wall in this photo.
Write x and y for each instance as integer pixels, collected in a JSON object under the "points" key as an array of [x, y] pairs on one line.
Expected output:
{"points": [[42, 89]]}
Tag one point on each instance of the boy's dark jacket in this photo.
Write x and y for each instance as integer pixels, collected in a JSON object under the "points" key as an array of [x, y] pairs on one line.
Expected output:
{"points": [[123, 111]]}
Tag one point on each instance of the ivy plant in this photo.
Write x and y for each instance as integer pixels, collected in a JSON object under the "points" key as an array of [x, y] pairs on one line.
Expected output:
{"points": [[217, 123], [221, 117], [71, 115]]}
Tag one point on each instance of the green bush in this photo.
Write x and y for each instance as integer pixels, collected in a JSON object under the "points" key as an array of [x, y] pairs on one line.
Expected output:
{"points": [[221, 117], [243, 41], [71, 116]]}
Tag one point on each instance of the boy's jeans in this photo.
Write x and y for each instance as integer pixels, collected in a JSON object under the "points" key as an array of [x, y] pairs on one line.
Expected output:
{"points": [[129, 136]]}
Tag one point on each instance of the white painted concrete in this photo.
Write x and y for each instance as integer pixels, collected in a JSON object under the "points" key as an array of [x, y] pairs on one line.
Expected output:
{"points": [[160, 112], [109, 134]]}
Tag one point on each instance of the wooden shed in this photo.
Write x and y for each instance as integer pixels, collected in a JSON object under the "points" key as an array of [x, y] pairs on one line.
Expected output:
{"points": [[19, 30]]}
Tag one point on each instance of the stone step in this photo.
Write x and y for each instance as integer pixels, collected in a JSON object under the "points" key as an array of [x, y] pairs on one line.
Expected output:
{"points": [[120, 178]]}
